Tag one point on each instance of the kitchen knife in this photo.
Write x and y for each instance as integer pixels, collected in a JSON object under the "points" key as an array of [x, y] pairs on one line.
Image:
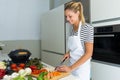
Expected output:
{"points": [[61, 63]]}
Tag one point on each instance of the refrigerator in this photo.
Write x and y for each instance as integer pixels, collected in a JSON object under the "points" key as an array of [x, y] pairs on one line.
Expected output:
{"points": [[54, 34]]}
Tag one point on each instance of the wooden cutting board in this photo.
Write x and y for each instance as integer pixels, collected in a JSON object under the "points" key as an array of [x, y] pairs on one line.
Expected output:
{"points": [[62, 75]]}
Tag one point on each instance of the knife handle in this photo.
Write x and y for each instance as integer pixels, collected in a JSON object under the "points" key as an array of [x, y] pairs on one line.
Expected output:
{"points": [[64, 60]]}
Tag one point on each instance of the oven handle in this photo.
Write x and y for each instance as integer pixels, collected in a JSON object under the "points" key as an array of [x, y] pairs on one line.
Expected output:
{"points": [[109, 35]]}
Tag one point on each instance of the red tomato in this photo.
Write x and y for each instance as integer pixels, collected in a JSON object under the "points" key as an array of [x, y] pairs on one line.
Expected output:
{"points": [[19, 68], [33, 67], [15, 69], [35, 71], [13, 65], [38, 71], [22, 65]]}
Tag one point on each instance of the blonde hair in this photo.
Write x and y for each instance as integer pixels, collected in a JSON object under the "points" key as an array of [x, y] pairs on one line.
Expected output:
{"points": [[76, 6]]}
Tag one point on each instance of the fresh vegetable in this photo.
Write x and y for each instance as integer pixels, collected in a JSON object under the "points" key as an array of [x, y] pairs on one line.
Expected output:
{"points": [[38, 71], [16, 68], [14, 75], [52, 74], [33, 67], [13, 66], [28, 71], [2, 73], [19, 68], [24, 72], [36, 62], [21, 72], [55, 73], [41, 75], [22, 65], [7, 77], [18, 76], [2, 65], [30, 77]]}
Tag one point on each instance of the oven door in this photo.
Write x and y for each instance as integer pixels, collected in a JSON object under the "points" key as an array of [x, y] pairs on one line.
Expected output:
{"points": [[107, 47]]}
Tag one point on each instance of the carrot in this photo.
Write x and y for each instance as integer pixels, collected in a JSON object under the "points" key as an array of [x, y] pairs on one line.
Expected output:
{"points": [[56, 73], [52, 74]]}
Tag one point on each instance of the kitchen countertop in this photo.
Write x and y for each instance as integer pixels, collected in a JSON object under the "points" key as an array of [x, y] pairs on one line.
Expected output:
{"points": [[4, 56], [69, 77]]}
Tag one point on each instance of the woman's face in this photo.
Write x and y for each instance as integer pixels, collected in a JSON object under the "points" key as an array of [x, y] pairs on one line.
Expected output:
{"points": [[72, 17]]}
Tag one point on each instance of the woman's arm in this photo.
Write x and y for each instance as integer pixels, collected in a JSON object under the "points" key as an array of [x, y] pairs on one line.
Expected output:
{"points": [[85, 57]]}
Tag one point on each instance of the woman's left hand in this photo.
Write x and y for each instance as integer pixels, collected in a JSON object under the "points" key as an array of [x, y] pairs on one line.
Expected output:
{"points": [[64, 68]]}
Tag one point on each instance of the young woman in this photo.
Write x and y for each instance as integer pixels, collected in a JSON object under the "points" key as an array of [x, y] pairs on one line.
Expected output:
{"points": [[80, 43]]}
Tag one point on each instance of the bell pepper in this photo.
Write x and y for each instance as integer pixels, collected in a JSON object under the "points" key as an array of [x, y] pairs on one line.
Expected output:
{"points": [[41, 75], [33, 67]]}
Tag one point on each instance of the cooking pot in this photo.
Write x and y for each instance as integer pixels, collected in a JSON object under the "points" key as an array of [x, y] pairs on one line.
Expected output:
{"points": [[19, 55]]}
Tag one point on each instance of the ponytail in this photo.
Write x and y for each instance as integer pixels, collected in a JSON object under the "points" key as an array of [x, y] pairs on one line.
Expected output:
{"points": [[76, 6]]}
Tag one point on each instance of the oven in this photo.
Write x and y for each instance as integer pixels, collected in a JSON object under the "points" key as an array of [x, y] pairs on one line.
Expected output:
{"points": [[107, 44]]}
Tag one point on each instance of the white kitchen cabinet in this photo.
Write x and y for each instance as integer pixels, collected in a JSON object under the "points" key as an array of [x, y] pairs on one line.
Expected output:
{"points": [[105, 71], [51, 58], [104, 11], [54, 32]]}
